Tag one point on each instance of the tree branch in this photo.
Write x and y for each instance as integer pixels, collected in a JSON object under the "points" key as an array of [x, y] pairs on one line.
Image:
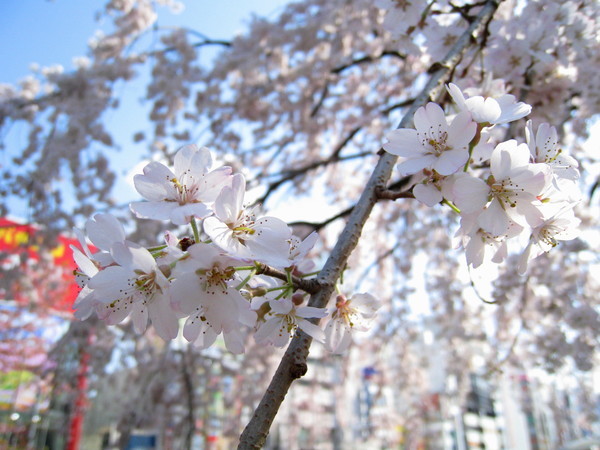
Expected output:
{"points": [[311, 286], [293, 364]]}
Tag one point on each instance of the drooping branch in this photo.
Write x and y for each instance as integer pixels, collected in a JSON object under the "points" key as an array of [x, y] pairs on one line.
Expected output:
{"points": [[293, 364]]}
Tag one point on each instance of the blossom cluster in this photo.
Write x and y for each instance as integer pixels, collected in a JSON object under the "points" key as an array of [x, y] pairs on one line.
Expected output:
{"points": [[215, 282], [504, 191]]}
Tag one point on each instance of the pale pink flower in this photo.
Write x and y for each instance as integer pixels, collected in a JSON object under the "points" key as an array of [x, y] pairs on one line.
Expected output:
{"points": [[513, 188], [134, 286], [479, 243], [433, 144], [544, 149], [284, 318], [237, 231], [103, 230], [185, 193], [299, 251], [204, 288], [354, 314], [561, 227], [502, 109]]}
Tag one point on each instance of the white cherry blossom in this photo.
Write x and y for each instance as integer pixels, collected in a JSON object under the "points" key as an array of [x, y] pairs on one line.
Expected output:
{"points": [[513, 188], [238, 232], [561, 227], [433, 144], [544, 148], [205, 289], [134, 286], [350, 315], [284, 318], [502, 109], [185, 193]]}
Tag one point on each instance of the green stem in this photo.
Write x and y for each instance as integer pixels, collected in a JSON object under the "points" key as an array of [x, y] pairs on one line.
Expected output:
{"points": [[244, 268], [245, 280], [473, 143], [195, 229], [451, 205], [157, 248], [310, 274], [278, 288]]}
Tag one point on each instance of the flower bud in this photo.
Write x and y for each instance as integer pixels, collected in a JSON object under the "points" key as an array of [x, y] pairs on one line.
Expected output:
{"points": [[297, 299]]}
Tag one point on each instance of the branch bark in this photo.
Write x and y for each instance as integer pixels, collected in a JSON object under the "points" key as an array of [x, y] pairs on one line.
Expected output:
{"points": [[293, 364]]}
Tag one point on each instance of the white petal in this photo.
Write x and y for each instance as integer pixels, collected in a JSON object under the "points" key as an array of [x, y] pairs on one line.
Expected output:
{"points": [[181, 215], [163, 318], [428, 194], [139, 316], [104, 230], [494, 219], [414, 165], [451, 161], [234, 341], [153, 210], [470, 194], [402, 142], [156, 182], [337, 336], [484, 110], [312, 330]]}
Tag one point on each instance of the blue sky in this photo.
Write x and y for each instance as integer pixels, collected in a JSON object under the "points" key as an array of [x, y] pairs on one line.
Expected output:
{"points": [[51, 32]]}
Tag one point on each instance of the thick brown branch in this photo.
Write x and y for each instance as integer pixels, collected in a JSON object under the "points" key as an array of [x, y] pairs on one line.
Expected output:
{"points": [[294, 361]]}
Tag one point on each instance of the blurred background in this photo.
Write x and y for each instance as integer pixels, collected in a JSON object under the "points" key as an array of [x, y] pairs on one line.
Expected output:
{"points": [[297, 96]]}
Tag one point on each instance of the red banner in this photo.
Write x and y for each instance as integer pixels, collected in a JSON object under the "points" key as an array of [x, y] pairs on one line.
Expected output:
{"points": [[36, 277]]}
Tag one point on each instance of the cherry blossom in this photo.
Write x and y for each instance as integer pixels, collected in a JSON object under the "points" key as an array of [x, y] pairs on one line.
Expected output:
{"points": [[299, 250], [502, 109], [350, 315], [479, 243], [135, 286], [237, 231], [185, 193], [103, 230], [204, 289], [561, 227], [513, 187], [544, 149], [433, 144], [282, 320]]}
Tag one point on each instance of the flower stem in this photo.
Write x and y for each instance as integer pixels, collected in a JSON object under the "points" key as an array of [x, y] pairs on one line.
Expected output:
{"points": [[245, 280], [157, 248], [451, 205], [310, 274], [195, 229], [472, 145]]}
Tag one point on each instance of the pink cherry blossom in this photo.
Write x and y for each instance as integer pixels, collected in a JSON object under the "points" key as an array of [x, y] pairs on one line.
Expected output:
{"points": [[350, 315], [185, 193], [502, 109], [204, 289], [237, 230], [433, 144], [284, 318]]}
